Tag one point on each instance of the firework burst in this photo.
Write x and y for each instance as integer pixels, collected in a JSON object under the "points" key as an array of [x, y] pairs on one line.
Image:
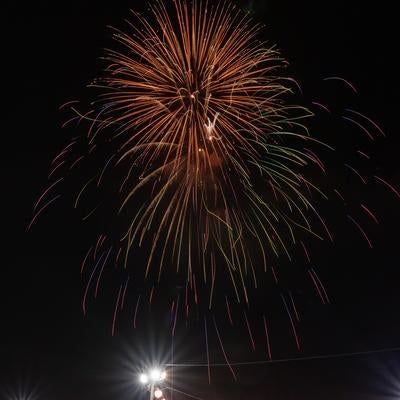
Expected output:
{"points": [[196, 104], [209, 166]]}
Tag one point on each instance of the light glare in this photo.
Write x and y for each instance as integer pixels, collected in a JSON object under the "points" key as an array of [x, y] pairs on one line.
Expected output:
{"points": [[155, 374], [143, 378]]}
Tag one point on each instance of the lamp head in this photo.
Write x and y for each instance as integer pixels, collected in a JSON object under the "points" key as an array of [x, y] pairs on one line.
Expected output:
{"points": [[143, 378]]}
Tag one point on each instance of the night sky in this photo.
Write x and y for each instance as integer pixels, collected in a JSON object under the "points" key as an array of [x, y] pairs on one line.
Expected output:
{"points": [[49, 350]]}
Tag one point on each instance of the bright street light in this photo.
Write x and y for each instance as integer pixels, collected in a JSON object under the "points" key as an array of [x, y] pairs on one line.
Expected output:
{"points": [[150, 379], [155, 375]]}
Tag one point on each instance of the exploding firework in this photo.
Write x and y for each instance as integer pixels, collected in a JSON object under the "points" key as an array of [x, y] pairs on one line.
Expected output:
{"points": [[197, 106], [208, 164]]}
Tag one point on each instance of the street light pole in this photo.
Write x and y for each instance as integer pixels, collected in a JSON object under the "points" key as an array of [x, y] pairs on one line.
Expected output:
{"points": [[152, 391]]}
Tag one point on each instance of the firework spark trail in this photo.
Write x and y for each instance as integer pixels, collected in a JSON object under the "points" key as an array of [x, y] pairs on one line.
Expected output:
{"points": [[253, 344], [90, 213], [317, 287], [294, 307], [89, 282], [116, 311], [124, 293], [104, 169], [56, 167], [267, 338], [390, 186], [357, 173], [73, 164], [306, 252], [364, 154], [175, 316], [368, 119], [136, 312], [361, 230], [207, 350], [315, 277], [97, 247], [85, 259], [68, 103], [81, 191], [317, 160], [274, 274], [223, 350], [296, 336], [64, 151], [40, 211], [47, 190], [151, 296], [340, 195], [325, 108], [228, 310], [370, 213], [338, 78], [362, 127], [117, 257], [101, 273]]}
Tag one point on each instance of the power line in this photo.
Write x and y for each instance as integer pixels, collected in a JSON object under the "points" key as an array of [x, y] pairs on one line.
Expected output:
{"points": [[283, 360]]}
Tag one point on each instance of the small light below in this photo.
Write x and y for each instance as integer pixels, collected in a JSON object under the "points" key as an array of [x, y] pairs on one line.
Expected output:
{"points": [[158, 394]]}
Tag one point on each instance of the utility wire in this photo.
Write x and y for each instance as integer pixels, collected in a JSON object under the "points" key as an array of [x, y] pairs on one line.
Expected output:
{"points": [[284, 360]]}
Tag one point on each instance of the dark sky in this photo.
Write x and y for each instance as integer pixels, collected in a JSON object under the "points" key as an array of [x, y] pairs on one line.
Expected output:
{"points": [[49, 349]]}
